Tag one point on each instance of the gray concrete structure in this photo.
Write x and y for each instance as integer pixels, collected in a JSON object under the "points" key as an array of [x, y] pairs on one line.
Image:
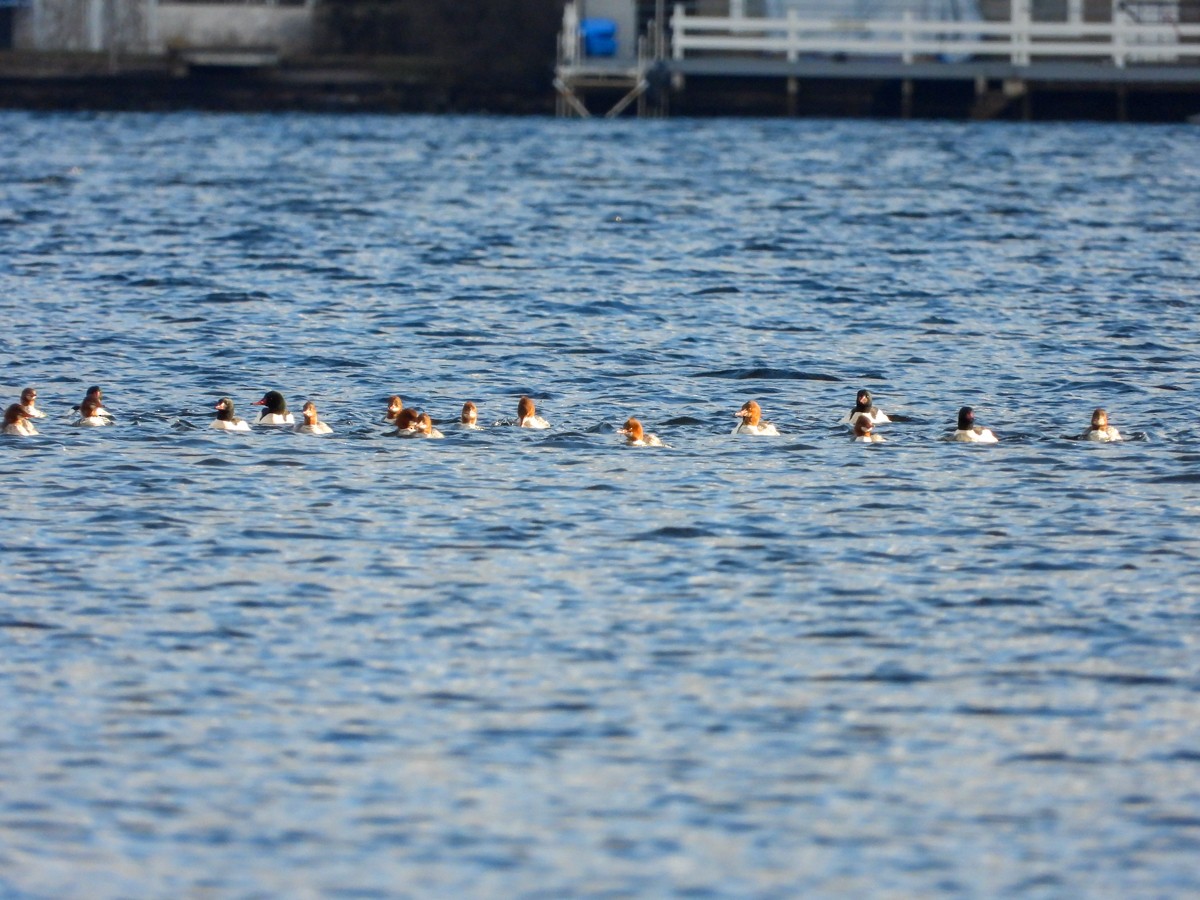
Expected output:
{"points": [[160, 27]]}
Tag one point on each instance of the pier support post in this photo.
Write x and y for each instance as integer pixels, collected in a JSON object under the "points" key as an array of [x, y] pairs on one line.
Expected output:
{"points": [[906, 98], [793, 94]]}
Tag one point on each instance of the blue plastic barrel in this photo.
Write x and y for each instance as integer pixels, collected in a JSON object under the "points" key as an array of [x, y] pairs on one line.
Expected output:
{"points": [[599, 37]]}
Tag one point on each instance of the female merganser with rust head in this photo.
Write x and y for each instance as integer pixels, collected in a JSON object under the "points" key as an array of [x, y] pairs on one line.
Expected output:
{"points": [[636, 435], [395, 404], [752, 423], [16, 421], [527, 416], [90, 415], [864, 406], [94, 400], [406, 423], [312, 422], [864, 431], [29, 404], [275, 411], [1100, 430], [226, 420], [424, 426], [970, 432], [470, 415]]}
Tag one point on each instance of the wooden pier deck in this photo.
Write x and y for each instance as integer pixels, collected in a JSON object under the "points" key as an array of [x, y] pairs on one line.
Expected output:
{"points": [[1123, 69]]}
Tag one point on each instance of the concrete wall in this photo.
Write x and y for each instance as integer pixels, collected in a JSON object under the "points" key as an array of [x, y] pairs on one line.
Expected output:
{"points": [[288, 29], [83, 25], [154, 27]]}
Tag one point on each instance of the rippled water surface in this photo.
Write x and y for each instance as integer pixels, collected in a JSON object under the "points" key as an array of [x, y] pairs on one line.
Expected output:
{"points": [[542, 664]]}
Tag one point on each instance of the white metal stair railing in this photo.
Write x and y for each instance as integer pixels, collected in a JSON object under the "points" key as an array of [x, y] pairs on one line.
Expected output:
{"points": [[1019, 40], [570, 47]]}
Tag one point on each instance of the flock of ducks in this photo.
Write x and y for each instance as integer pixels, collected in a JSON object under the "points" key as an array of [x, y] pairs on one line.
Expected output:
{"points": [[408, 422]]}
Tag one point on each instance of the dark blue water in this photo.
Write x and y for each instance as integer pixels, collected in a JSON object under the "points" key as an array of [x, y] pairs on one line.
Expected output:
{"points": [[542, 664]]}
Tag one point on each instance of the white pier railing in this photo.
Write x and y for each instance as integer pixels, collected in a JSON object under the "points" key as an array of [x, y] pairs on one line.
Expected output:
{"points": [[1019, 40]]}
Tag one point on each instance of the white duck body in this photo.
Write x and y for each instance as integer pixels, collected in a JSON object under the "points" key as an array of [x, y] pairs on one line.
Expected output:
{"points": [[876, 415], [313, 428], [1104, 435], [230, 425], [976, 435], [762, 428]]}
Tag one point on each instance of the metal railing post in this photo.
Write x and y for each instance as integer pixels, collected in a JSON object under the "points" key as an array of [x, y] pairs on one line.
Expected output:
{"points": [[1021, 20], [677, 25], [1120, 21]]}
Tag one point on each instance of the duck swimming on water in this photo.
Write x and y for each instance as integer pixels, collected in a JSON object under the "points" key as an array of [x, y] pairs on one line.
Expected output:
{"points": [[91, 415], [406, 423], [636, 436], [1100, 430], [226, 420], [16, 421], [470, 415], [312, 422], [752, 421], [527, 416], [395, 404], [969, 432], [864, 431], [864, 406], [275, 411], [29, 404], [94, 401], [424, 426]]}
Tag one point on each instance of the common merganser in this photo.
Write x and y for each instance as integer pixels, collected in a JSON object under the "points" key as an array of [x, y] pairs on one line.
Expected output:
{"points": [[29, 404], [970, 432], [16, 421], [226, 420], [864, 431], [395, 404], [424, 426], [1100, 430], [751, 416], [275, 412], [470, 415], [636, 436], [527, 416], [95, 397], [864, 406], [406, 423], [91, 415], [312, 422]]}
